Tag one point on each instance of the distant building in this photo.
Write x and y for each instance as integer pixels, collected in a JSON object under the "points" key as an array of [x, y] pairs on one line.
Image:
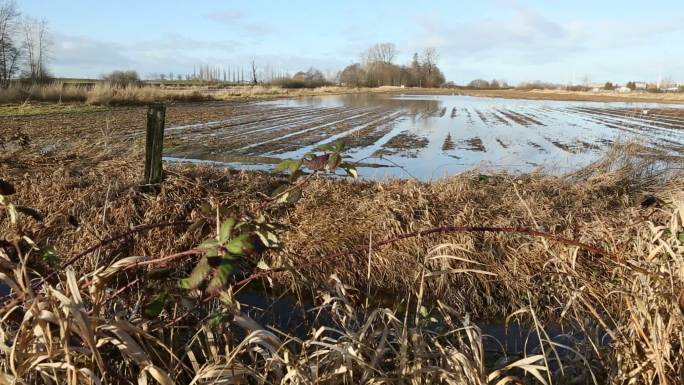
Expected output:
{"points": [[623, 90], [640, 85]]}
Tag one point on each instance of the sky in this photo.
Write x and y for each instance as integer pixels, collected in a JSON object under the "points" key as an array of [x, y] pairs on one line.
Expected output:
{"points": [[514, 40]]}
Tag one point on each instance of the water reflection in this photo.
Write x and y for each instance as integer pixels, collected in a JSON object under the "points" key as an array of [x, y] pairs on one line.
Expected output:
{"points": [[430, 136]]}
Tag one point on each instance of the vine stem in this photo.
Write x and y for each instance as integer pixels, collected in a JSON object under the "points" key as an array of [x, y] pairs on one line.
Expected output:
{"points": [[102, 243], [439, 230]]}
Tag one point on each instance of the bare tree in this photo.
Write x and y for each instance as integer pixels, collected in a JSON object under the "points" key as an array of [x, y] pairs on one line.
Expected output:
{"points": [[254, 72], [379, 53], [430, 58], [37, 45], [9, 52]]}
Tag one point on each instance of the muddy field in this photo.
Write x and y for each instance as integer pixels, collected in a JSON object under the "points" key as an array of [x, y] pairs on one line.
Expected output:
{"points": [[426, 136]]}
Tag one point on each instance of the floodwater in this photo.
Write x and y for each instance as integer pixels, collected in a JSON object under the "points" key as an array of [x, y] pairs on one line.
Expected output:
{"points": [[429, 136]]}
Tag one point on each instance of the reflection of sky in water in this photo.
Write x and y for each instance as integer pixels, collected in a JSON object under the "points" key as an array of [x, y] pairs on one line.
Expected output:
{"points": [[559, 136]]}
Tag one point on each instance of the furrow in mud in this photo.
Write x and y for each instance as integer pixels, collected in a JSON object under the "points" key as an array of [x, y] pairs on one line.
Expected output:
{"points": [[312, 135]]}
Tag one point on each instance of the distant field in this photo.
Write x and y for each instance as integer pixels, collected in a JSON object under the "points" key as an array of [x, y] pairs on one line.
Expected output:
{"points": [[645, 97]]}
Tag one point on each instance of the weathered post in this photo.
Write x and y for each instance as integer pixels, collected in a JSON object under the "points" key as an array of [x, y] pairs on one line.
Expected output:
{"points": [[154, 145]]}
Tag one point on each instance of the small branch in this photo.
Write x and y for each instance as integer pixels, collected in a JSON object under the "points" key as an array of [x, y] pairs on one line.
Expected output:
{"points": [[162, 260]]}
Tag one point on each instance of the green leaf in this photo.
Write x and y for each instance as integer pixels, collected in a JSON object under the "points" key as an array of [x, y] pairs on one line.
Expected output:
{"points": [[292, 165], [197, 225], [199, 273], [50, 256], [216, 319], [279, 190], [154, 308], [225, 229], [680, 236], [238, 245], [333, 161], [209, 244], [294, 196], [295, 175], [282, 166], [326, 147], [340, 145], [221, 275], [295, 165]]}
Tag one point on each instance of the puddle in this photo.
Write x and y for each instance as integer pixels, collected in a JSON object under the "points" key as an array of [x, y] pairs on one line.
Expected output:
{"points": [[501, 342]]}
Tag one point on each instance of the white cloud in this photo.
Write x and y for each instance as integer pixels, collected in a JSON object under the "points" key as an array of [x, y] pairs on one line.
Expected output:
{"points": [[523, 42], [235, 19]]}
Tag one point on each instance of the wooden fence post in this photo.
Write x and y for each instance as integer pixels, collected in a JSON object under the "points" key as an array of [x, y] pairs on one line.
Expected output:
{"points": [[154, 145]]}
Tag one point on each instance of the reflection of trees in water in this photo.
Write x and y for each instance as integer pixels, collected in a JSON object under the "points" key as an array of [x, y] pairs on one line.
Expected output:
{"points": [[448, 144]]}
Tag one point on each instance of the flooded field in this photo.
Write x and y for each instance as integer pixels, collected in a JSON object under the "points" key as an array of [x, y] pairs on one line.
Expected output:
{"points": [[428, 136]]}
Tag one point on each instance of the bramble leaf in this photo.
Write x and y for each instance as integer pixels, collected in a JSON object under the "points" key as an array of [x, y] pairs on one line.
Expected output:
{"points": [[294, 196], [225, 229], [221, 275], [326, 147], [199, 273], [154, 308], [50, 256], [209, 244], [334, 161], [238, 245]]}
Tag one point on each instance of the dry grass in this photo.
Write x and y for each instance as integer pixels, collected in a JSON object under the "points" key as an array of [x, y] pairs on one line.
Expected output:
{"points": [[78, 329], [105, 94]]}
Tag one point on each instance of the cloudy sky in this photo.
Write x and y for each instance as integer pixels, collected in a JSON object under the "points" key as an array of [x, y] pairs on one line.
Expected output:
{"points": [[515, 40]]}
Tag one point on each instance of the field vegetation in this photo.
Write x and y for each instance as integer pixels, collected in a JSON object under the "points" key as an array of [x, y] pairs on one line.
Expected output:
{"points": [[388, 282]]}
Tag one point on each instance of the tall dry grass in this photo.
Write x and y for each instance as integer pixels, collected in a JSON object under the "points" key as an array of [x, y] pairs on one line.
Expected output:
{"points": [[108, 94], [87, 324], [53, 92]]}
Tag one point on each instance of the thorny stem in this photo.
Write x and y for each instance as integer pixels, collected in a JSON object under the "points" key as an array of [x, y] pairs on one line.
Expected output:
{"points": [[104, 242], [440, 230]]}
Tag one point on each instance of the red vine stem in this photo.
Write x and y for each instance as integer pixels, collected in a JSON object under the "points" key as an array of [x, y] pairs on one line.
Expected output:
{"points": [[132, 231], [102, 243], [439, 230]]}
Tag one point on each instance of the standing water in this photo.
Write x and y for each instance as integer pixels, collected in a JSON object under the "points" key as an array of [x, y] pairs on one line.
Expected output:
{"points": [[430, 136]]}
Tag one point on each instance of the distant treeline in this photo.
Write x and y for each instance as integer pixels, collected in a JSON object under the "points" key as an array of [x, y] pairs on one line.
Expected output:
{"points": [[377, 69]]}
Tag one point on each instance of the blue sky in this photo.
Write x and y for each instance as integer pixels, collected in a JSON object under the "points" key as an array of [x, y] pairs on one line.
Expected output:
{"points": [[513, 40]]}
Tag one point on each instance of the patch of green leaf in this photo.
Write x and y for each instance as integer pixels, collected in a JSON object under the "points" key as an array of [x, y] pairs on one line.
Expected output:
{"points": [[156, 306], [49, 255]]}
